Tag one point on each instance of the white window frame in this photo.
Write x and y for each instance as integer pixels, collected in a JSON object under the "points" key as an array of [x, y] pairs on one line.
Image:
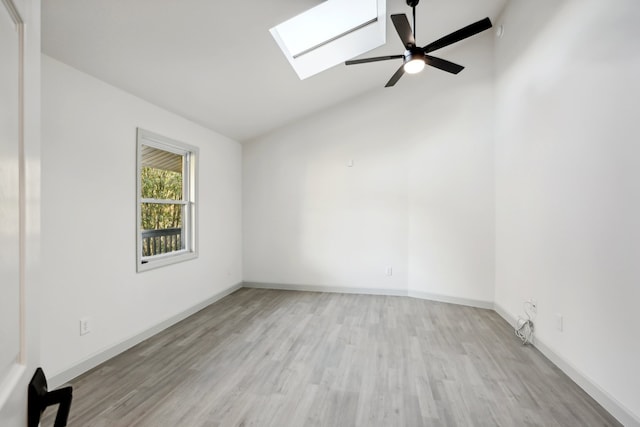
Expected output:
{"points": [[189, 154]]}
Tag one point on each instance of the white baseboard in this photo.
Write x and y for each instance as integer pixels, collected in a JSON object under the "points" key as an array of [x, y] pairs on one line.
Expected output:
{"points": [[106, 354], [9, 383], [372, 291], [608, 402], [451, 300], [331, 289]]}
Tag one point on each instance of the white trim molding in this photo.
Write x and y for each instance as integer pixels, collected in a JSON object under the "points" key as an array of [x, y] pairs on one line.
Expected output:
{"points": [[451, 300], [14, 232], [371, 291], [322, 288], [10, 382]]}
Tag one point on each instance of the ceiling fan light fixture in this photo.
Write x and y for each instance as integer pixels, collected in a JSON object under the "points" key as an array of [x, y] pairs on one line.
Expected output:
{"points": [[413, 62], [414, 66]]}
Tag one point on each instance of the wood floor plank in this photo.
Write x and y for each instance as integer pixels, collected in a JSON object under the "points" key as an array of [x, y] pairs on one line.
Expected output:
{"points": [[283, 358]]}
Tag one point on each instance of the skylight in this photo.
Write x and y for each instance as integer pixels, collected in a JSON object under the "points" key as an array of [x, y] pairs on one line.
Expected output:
{"points": [[331, 33]]}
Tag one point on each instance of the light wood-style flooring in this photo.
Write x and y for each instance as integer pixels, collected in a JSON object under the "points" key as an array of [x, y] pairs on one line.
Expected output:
{"points": [[283, 358]]}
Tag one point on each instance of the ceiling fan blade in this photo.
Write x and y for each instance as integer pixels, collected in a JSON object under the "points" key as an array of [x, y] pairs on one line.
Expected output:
{"points": [[443, 64], [374, 59], [404, 30], [394, 79], [461, 34]]}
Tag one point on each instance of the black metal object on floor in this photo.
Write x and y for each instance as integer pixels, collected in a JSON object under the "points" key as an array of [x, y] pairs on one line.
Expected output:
{"points": [[40, 398]]}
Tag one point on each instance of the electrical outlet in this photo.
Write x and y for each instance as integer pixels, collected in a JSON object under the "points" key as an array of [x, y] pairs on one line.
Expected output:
{"points": [[389, 271], [559, 322], [85, 325]]}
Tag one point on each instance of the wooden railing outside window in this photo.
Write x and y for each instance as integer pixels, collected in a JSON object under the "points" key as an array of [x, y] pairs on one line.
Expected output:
{"points": [[156, 242]]}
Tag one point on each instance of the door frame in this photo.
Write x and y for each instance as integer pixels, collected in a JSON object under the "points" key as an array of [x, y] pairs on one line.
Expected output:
{"points": [[25, 15]]}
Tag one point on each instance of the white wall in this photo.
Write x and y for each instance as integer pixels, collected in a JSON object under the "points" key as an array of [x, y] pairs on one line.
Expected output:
{"points": [[89, 214], [419, 197], [568, 184], [451, 184]]}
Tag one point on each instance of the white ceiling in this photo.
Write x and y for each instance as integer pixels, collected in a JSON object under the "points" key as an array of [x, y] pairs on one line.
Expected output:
{"points": [[214, 62]]}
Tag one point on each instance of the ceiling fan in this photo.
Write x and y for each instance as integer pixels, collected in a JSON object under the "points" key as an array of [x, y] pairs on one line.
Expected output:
{"points": [[415, 57]]}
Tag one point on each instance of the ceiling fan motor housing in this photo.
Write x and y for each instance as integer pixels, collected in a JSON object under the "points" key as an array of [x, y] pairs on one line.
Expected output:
{"points": [[414, 53], [413, 3]]}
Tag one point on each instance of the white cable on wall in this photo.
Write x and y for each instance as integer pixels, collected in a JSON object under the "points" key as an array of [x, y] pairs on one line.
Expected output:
{"points": [[524, 327]]}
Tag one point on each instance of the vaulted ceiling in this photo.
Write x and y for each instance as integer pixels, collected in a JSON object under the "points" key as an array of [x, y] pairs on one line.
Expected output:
{"points": [[214, 62]]}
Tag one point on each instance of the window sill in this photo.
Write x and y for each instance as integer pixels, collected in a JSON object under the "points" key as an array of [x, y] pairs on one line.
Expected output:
{"points": [[167, 259]]}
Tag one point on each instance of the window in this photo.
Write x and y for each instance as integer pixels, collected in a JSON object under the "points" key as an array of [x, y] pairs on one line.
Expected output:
{"points": [[166, 205], [330, 33]]}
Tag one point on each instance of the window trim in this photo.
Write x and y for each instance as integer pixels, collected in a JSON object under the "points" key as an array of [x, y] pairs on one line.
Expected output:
{"points": [[190, 155]]}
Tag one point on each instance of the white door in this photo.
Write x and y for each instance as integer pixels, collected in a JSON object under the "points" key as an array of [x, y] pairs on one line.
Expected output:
{"points": [[16, 364]]}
